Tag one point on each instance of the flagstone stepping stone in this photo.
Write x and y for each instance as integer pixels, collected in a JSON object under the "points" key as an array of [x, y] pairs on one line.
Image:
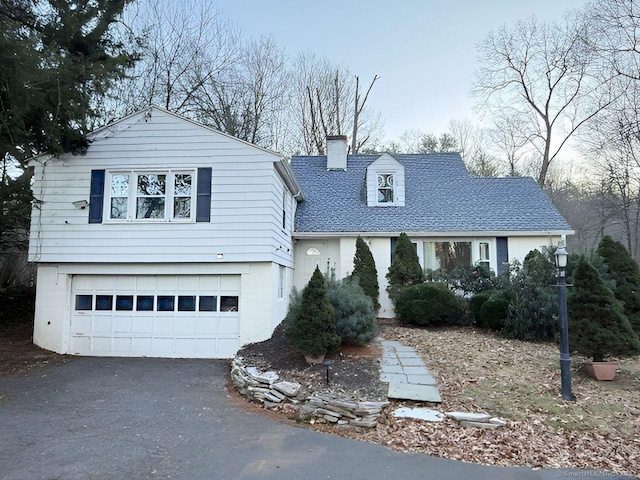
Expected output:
{"points": [[426, 414], [408, 391]]}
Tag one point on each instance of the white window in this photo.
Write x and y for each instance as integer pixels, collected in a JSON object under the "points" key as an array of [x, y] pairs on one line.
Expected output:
{"points": [[282, 277], [385, 188], [483, 254], [446, 255], [151, 196]]}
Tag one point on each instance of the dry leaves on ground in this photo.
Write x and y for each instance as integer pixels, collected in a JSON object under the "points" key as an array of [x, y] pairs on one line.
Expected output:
{"points": [[520, 382]]}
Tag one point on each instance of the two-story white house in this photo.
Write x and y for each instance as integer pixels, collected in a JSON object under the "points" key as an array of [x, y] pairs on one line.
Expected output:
{"points": [[171, 239], [166, 239]]}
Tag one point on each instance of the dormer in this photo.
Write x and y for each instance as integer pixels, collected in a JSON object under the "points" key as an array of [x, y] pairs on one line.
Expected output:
{"points": [[385, 182]]}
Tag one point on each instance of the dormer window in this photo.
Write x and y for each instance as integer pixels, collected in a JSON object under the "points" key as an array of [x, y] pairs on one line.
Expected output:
{"points": [[385, 182], [385, 188]]}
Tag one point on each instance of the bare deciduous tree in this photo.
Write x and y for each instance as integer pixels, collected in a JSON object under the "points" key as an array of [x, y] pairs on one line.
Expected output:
{"points": [[546, 76]]}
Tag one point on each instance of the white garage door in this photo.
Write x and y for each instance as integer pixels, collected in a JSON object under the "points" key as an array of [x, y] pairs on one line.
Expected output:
{"points": [[181, 316]]}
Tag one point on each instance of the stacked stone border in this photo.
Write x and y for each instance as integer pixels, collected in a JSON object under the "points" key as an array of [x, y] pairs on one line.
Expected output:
{"points": [[265, 387]]}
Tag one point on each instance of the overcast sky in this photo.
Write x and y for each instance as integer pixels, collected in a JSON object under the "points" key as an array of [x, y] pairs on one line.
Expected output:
{"points": [[423, 50]]}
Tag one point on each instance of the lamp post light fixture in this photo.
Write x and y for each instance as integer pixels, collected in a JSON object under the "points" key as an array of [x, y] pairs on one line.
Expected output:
{"points": [[565, 359]]}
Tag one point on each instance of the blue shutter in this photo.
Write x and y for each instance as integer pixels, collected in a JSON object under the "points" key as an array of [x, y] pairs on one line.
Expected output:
{"points": [[203, 198], [394, 242], [502, 250], [96, 196]]}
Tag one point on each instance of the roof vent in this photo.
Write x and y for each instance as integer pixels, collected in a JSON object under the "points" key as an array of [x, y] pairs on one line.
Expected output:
{"points": [[336, 152]]}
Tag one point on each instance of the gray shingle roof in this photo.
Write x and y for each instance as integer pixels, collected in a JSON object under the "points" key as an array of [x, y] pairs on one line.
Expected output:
{"points": [[441, 196]]}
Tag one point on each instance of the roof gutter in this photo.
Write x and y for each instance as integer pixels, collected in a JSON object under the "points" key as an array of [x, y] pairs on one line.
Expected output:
{"points": [[284, 170], [477, 233]]}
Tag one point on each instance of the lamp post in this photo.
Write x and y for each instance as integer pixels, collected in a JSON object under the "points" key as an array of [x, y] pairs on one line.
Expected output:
{"points": [[565, 359]]}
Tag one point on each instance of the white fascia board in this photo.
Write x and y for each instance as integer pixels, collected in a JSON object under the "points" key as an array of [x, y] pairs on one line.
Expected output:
{"points": [[474, 233]]}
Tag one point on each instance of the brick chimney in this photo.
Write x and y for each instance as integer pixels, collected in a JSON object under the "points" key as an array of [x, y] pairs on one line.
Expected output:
{"points": [[336, 152]]}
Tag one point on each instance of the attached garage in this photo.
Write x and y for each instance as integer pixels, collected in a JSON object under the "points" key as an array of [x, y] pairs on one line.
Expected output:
{"points": [[183, 316]]}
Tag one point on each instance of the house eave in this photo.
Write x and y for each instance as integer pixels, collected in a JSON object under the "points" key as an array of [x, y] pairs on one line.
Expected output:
{"points": [[470, 233], [284, 170]]}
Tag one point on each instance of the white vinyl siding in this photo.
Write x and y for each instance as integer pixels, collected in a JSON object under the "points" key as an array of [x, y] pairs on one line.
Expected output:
{"points": [[246, 199]]}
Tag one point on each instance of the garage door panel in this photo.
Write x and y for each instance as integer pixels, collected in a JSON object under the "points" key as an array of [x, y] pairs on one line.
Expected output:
{"points": [[184, 326], [82, 325], [185, 346], [105, 282], [101, 344], [228, 325], [142, 324], [125, 283], [162, 345], [210, 283], [187, 284], [163, 325], [228, 346], [80, 345], [155, 315], [141, 344], [204, 325], [146, 283], [102, 324], [230, 283], [122, 344], [122, 325], [167, 283]]}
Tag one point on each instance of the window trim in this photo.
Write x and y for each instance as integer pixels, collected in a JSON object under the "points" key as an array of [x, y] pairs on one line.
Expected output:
{"points": [[169, 195]]}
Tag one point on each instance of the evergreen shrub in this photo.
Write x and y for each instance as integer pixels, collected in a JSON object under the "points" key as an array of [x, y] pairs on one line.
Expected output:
{"points": [[405, 270], [625, 273], [355, 317], [427, 304], [597, 326], [533, 310], [364, 268], [312, 328], [476, 303], [494, 311]]}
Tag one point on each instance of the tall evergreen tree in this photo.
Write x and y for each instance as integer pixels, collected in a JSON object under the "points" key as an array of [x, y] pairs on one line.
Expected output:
{"points": [[625, 272], [364, 267], [405, 270], [313, 330], [597, 326], [58, 58]]}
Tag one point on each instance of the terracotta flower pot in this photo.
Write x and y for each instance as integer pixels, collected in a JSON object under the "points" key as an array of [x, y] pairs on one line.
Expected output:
{"points": [[314, 360], [601, 370]]}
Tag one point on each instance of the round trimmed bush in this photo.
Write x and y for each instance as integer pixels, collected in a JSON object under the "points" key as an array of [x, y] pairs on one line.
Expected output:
{"points": [[494, 312], [427, 304], [476, 303]]}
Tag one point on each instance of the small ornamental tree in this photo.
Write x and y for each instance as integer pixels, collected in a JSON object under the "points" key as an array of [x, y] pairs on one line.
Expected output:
{"points": [[405, 270], [597, 326], [624, 270], [364, 268], [313, 329]]}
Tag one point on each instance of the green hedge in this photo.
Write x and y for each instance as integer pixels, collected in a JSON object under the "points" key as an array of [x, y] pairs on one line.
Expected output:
{"points": [[427, 304]]}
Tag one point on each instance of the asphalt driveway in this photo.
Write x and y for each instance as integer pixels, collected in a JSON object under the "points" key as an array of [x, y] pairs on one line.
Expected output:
{"points": [[105, 418]]}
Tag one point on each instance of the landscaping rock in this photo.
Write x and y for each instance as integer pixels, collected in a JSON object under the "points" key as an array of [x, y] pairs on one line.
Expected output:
{"points": [[290, 389], [469, 417]]}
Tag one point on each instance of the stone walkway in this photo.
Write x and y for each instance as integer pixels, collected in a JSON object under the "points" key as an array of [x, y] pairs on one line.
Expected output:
{"points": [[406, 374]]}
